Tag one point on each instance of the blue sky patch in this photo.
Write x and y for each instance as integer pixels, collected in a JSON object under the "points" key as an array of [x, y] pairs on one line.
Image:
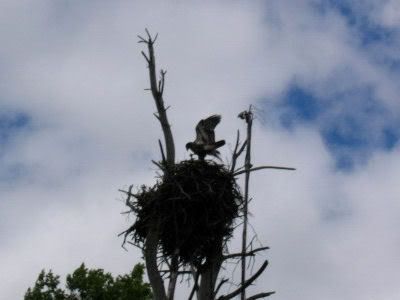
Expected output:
{"points": [[351, 137], [10, 123], [368, 31], [390, 137], [352, 123], [300, 105]]}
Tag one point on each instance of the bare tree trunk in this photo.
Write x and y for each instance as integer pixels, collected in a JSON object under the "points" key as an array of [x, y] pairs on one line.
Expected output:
{"points": [[151, 244], [209, 275], [173, 277], [150, 255]]}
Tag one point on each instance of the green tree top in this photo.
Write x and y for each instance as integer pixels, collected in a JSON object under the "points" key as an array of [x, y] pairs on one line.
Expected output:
{"points": [[94, 284]]}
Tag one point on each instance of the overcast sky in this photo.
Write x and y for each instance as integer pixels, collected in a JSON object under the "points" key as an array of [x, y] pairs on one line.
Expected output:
{"points": [[76, 125]]}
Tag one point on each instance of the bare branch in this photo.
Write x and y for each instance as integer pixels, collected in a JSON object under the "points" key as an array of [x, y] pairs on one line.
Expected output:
{"points": [[220, 284], [174, 276], [260, 295], [182, 191], [249, 253], [246, 283], [157, 117], [142, 39], [128, 199], [162, 82], [234, 155], [196, 276], [159, 85], [157, 88], [149, 36], [237, 141], [158, 165], [248, 117], [137, 246], [161, 150], [145, 56], [263, 167], [179, 272], [155, 38], [242, 148]]}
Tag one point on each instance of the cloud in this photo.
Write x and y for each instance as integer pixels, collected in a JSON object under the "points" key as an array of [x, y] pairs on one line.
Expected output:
{"points": [[328, 231], [75, 72]]}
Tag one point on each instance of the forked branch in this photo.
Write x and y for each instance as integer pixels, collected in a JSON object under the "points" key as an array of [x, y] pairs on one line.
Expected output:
{"points": [[237, 151], [157, 90]]}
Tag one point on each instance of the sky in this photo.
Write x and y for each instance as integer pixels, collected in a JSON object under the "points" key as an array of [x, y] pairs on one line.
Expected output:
{"points": [[76, 125]]}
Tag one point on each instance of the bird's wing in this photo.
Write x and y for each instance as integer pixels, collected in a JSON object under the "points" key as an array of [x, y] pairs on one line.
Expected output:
{"points": [[205, 129], [200, 138]]}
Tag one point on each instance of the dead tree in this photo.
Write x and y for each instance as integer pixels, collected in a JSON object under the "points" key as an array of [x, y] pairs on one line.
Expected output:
{"points": [[165, 212]]}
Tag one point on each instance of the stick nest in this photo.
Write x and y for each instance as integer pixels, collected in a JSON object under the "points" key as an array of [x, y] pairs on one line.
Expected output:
{"points": [[193, 207]]}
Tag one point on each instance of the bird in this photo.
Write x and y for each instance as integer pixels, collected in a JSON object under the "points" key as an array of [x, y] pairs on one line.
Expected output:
{"points": [[205, 143]]}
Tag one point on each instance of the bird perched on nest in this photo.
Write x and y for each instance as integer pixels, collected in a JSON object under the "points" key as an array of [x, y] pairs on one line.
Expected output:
{"points": [[205, 143]]}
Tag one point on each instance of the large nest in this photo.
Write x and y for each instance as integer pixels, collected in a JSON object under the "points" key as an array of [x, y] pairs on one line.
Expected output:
{"points": [[192, 206]]}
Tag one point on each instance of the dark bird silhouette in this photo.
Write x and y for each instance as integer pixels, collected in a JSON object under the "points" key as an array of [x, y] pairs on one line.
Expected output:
{"points": [[205, 143]]}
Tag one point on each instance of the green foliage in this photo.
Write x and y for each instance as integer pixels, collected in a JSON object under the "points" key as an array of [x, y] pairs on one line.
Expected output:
{"points": [[46, 288], [95, 284]]}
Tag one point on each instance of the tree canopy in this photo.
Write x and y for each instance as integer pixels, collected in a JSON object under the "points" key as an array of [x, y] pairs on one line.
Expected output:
{"points": [[90, 284]]}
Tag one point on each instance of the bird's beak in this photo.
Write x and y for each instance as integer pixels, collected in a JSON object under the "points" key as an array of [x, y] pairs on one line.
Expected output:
{"points": [[187, 146]]}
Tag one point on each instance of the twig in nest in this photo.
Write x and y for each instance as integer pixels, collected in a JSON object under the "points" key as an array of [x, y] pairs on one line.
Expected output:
{"points": [[157, 164], [128, 199]]}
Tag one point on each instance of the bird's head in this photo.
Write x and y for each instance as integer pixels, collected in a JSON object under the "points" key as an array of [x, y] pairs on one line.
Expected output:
{"points": [[189, 146]]}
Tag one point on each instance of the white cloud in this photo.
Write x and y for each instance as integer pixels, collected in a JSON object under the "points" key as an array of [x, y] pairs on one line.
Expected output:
{"points": [[329, 231], [391, 14]]}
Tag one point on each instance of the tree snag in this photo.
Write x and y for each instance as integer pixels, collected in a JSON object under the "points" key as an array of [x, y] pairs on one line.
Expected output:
{"points": [[184, 221]]}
